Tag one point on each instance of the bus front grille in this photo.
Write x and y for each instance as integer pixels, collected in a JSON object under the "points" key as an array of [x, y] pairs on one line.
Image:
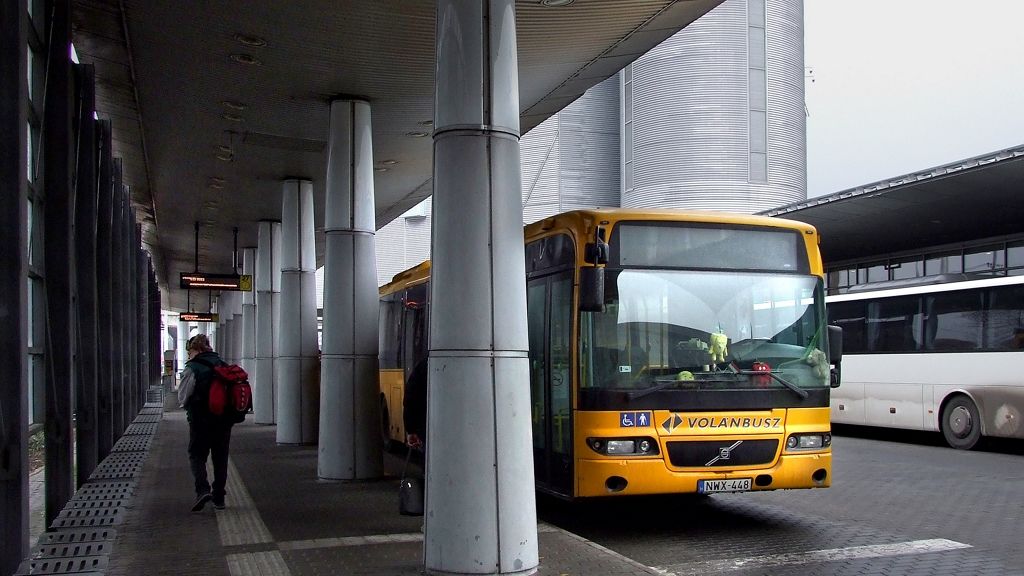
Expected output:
{"points": [[721, 453]]}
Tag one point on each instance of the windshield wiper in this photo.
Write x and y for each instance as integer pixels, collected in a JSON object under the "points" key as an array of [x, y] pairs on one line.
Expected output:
{"points": [[657, 387], [796, 389]]}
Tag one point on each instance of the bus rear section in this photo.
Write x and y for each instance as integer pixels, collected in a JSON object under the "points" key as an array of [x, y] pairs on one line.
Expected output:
{"points": [[663, 451]]}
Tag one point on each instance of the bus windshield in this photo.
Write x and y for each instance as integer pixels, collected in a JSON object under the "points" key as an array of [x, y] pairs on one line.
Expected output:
{"points": [[677, 329]]}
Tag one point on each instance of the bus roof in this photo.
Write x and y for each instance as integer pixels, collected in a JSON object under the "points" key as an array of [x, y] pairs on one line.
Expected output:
{"points": [[584, 220]]}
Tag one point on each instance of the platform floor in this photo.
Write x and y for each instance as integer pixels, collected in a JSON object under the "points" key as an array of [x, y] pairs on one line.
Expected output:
{"points": [[281, 520]]}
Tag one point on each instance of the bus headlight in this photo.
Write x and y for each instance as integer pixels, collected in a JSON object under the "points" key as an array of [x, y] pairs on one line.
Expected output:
{"points": [[623, 446], [799, 442]]}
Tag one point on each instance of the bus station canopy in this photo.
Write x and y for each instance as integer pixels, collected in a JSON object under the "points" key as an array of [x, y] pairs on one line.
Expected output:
{"points": [[959, 202], [213, 104]]}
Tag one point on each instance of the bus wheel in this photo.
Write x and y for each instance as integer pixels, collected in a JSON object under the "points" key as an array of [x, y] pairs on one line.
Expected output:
{"points": [[961, 423], [385, 426]]}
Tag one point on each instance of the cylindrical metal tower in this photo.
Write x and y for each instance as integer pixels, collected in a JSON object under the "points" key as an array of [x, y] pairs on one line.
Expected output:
{"points": [[713, 118]]}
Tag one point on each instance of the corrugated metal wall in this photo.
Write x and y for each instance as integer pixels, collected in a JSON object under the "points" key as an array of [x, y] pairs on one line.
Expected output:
{"points": [[717, 113]]}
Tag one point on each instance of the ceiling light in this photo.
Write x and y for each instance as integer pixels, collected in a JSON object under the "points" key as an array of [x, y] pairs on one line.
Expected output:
{"points": [[232, 117], [416, 134], [214, 185], [225, 157], [250, 40], [389, 162], [234, 105], [426, 123], [380, 169], [246, 59], [556, 3], [225, 149]]}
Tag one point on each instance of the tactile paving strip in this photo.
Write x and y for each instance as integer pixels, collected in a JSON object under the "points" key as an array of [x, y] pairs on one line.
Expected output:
{"points": [[83, 504]]}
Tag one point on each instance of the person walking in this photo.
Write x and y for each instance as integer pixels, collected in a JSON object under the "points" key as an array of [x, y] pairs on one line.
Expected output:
{"points": [[208, 434]]}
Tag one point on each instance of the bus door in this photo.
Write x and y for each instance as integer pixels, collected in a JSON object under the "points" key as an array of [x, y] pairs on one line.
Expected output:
{"points": [[549, 309]]}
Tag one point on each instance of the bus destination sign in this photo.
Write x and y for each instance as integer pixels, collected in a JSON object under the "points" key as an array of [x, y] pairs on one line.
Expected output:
{"points": [[198, 317], [204, 281]]}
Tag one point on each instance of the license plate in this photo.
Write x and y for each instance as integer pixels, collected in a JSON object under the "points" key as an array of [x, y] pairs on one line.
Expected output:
{"points": [[731, 485]]}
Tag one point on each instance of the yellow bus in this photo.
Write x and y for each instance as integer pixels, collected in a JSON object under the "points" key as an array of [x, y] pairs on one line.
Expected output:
{"points": [[670, 352]]}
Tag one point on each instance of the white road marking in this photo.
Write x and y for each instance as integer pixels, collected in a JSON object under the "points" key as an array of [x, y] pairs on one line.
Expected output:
{"points": [[795, 558]]}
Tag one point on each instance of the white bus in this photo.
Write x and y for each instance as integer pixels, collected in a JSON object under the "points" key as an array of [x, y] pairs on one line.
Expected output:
{"points": [[946, 354]]}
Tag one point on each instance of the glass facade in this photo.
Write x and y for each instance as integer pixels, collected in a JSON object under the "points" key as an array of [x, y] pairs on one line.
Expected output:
{"points": [[987, 259]]}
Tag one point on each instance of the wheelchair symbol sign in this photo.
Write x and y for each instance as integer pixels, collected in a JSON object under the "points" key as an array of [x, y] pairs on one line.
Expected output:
{"points": [[634, 419]]}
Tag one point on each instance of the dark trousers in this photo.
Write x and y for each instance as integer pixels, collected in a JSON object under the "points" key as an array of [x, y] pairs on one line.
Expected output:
{"points": [[207, 438]]}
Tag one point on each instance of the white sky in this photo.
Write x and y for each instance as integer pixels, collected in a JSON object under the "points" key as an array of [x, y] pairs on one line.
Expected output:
{"points": [[904, 85]]}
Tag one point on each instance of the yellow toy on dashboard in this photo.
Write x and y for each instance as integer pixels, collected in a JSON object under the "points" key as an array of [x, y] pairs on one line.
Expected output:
{"points": [[718, 347]]}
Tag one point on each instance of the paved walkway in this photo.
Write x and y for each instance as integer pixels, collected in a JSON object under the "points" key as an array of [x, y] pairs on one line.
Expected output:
{"points": [[281, 520]]}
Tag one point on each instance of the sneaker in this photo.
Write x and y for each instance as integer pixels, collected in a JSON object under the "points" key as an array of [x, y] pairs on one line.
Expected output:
{"points": [[201, 501], [218, 504]]}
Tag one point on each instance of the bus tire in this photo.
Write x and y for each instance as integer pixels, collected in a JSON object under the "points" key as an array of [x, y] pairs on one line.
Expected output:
{"points": [[961, 423], [385, 425]]}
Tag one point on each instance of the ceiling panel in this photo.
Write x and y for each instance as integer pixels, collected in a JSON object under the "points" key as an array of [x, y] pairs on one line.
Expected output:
{"points": [[251, 81]]}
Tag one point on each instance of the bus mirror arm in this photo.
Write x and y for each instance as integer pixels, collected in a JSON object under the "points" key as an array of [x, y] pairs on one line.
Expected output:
{"points": [[835, 354], [591, 289], [596, 252]]}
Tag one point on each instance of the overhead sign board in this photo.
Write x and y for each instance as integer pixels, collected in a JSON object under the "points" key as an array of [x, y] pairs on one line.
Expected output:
{"points": [[197, 317], [204, 281]]}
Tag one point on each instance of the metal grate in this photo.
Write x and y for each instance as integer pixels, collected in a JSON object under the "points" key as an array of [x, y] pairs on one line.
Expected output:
{"points": [[77, 536], [86, 503], [78, 517], [76, 550], [721, 453], [147, 418], [148, 428], [152, 410], [85, 565], [107, 489], [114, 470], [125, 458], [137, 443]]}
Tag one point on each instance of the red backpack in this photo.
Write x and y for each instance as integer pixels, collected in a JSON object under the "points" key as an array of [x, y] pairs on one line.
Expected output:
{"points": [[230, 393]]}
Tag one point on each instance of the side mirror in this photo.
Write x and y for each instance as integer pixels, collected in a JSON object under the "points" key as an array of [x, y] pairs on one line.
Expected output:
{"points": [[596, 252], [591, 289], [835, 344], [835, 353]]}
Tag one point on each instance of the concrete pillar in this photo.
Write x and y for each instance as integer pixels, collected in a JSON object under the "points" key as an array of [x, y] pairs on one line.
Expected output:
{"points": [[349, 410], [480, 507], [249, 316], [220, 334], [236, 327], [226, 329], [268, 283], [182, 342], [14, 494], [298, 391], [57, 248]]}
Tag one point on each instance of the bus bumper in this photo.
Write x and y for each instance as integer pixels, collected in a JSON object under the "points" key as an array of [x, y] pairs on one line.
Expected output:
{"points": [[625, 477]]}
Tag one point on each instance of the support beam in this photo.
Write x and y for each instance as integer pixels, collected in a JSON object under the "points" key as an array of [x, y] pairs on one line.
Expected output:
{"points": [[268, 289], [106, 342], [480, 507], [86, 213], [349, 408], [298, 388], [14, 495], [57, 252], [117, 282]]}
